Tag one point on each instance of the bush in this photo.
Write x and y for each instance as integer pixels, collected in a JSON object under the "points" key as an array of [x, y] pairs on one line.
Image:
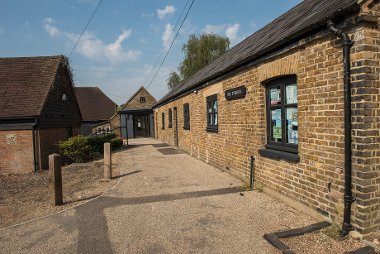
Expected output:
{"points": [[116, 143], [97, 142], [77, 148], [82, 149]]}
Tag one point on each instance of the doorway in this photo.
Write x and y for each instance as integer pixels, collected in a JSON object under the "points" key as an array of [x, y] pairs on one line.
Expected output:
{"points": [[141, 126]]}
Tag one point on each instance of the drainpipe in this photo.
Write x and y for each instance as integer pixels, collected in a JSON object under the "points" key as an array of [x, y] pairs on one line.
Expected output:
{"points": [[348, 198], [34, 144]]}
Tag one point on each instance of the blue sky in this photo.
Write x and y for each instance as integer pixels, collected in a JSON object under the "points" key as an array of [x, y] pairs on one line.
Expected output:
{"points": [[125, 38]]}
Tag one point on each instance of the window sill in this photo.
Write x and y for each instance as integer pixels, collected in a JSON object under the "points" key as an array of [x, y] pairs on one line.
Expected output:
{"points": [[212, 129], [186, 128], [278, 155]]}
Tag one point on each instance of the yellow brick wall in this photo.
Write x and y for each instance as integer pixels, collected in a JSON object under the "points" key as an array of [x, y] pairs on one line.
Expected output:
{"points": [[317, 181]]}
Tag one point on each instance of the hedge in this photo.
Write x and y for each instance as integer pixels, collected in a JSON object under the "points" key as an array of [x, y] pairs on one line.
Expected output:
{"points": [[83, 149]]}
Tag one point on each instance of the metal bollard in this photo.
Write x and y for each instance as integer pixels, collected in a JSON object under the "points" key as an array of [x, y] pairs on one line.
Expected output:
{"points": [[107, 161], [55, 174]]}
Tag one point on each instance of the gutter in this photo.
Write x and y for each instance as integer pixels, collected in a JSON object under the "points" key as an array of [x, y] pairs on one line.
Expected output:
{"points": [[348, 198]]}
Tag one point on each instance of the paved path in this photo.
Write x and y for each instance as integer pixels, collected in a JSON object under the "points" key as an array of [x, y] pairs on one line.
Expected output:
{"points": [[167, 202]]}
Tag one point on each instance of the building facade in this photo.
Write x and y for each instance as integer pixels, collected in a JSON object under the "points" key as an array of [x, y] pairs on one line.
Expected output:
{"points": [[136, 116], [39, 109], [95, 106], [279, 96]]}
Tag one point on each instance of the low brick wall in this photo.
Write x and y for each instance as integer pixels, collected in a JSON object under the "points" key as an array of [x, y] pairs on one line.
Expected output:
{"points": [[16, 151], [47, 143]]}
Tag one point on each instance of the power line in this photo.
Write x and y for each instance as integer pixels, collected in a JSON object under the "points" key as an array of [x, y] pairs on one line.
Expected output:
{"points": [[166, 44], [85, 28], [167, 52]]}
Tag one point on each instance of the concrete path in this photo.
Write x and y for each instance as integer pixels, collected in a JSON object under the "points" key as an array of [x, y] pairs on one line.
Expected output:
{"points": [[167, 202]]}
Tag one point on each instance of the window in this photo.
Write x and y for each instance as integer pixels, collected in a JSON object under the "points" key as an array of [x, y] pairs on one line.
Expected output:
{"points": [[170, 118], [212, 113], [142, 99], [163, 120], [108, 130], [282, 115], [186, 116], [99, 131]]}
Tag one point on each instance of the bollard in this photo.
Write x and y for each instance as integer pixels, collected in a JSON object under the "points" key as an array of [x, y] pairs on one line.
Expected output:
{"points": [[107, 161], [55, 178]]}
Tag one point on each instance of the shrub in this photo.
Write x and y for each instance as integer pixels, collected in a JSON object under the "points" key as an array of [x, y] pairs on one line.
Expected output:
{"points": [[116, 143], [82, 149], [97, 142], [77, 148]]}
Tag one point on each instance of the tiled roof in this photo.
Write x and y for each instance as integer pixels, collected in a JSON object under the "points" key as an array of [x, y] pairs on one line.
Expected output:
{"points": [[25, 83], [94, 104], [307, 16]]}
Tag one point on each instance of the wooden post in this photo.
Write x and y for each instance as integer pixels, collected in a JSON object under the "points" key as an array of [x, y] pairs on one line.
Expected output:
{"points": [[107, 161], [55, 178]]}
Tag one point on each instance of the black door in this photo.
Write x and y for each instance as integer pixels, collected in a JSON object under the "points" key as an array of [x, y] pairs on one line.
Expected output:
{"points": [[141, 126]]}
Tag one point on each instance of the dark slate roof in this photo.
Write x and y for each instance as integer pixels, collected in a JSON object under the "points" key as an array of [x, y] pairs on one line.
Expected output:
{"points": [[94, 104], [25, 83], [307, 16]]}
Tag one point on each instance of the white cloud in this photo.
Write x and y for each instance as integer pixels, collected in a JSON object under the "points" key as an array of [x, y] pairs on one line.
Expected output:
{"points": [[50, 28], [166, 35], [232, 31], [93, 48], [214, 29], [228, 30], [169, 9]]}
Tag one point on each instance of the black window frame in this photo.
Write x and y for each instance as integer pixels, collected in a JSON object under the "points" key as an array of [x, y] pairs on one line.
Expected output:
{"points": [[142, 99], [281, 83], [186, 116], [211, 115], [163, 120], [170, 115]]}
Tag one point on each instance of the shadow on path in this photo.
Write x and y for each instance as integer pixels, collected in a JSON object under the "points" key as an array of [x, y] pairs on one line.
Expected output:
{"points": [[93, 230], [127, 174]]}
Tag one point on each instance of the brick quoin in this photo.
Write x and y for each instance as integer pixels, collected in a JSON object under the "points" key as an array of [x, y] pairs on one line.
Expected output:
{"points": [[317, 180]]}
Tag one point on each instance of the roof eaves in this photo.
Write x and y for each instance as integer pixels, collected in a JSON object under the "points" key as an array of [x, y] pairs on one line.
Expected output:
{"points": [[319, 25]]}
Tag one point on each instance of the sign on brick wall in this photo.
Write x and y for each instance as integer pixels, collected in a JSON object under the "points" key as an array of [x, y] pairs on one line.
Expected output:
{"points": [[11, 139], [236, 93]]}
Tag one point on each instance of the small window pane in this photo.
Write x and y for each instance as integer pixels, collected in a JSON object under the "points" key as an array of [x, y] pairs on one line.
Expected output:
{"points": [[215, 106], [276, 127], [292, 125], [291, 94], [215, 119], [209, 119], [275, 96], [209, 106]]}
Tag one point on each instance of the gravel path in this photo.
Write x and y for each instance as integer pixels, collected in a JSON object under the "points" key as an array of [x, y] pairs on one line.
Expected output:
{"points": [[166, 202]]}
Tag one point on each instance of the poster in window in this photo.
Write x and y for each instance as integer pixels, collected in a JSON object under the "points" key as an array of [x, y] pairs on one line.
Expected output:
{"points": [[275, 96], [291, 94], [292, 123], [277, 133]]}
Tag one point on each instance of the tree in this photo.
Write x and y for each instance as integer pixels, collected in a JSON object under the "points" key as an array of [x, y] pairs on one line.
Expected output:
{"points": [[199, 51], [173, 80]]}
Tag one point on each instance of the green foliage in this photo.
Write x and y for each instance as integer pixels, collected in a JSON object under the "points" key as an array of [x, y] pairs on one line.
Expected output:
{"points": [[173, 80], [97, 142], [76, 148], [199, 51], [82, 149], [116, 143]]}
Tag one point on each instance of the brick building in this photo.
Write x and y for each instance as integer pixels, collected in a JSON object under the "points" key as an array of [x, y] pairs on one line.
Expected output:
{"points": [[279, 96], [96, 108], [135, 119], [38, 109]]}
